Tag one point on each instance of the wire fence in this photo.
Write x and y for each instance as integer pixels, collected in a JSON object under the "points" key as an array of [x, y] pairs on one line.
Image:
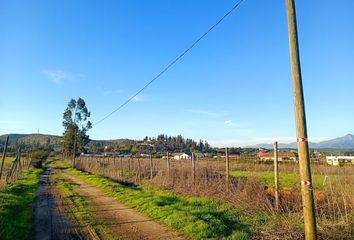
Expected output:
{"points": [[243, 182]]}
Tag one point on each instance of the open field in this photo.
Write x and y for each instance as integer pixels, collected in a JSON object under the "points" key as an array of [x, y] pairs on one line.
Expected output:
{"points": [[251, 189]]}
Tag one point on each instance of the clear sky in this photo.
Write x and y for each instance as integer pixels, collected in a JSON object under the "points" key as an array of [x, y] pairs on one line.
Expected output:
{"points": [[233, 88]]}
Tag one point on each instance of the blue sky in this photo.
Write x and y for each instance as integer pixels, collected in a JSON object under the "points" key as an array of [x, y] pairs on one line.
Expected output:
{"points": [[234, 88]]}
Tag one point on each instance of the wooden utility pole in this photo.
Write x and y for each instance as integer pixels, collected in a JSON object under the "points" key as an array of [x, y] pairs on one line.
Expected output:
{"points": [[276, 177], [74, 150], [227, 168], [4, 155], [301, 130]]}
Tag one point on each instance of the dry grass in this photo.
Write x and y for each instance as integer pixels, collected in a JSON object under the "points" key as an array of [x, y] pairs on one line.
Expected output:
{"points": [[334, 203]]}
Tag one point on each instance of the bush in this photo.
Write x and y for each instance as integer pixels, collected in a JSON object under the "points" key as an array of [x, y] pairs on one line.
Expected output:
{"points": [[38, 156]]}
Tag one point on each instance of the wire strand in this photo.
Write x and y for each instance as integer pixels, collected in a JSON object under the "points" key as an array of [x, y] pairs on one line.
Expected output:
{"points": [[171, 63]]}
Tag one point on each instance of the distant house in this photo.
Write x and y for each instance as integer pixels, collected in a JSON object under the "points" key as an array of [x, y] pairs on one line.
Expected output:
{"points": [[181, 156], [235, 155], [339, 160], [286, 155], [199, 155]]}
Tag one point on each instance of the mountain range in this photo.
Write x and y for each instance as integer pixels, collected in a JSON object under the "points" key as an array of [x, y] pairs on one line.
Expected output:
{"points": [[345, 142]]}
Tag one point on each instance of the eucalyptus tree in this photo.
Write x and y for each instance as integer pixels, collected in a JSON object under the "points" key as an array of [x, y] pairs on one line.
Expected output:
{"points": [[76, 125]]}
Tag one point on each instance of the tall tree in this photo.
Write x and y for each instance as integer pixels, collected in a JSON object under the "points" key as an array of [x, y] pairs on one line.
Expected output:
{"points": [[76, 123]]}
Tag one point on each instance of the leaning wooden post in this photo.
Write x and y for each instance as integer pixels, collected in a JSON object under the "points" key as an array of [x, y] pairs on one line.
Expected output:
{"points": [[150, 166], [227, 168], [19, 158], [193, 169], [4, 155], [276, 177], [301, 129]]}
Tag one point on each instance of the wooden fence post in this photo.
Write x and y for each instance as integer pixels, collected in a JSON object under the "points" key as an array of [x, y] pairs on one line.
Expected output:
{"points": [[3, 156], [151, 166], [227, 168], [139, 173], [193, 169], [168, 165], [276, 176], [121, 167], [129, 166]]}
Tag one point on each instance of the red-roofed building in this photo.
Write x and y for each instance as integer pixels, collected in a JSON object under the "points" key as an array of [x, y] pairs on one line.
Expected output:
{"points": [[286, 155]]}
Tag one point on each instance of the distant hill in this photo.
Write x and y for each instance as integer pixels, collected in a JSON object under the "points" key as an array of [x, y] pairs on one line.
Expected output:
{"points": [[31, 139], [345, 142], [36, 140]]}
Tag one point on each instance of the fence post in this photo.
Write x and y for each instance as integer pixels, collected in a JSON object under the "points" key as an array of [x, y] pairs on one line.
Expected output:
{"points": [[121, 167], [276, 176], [129, 162], [19, 158], [168, 165], [193, 169], [150, 166], [139, 173], [3, 156], [227, 168]]}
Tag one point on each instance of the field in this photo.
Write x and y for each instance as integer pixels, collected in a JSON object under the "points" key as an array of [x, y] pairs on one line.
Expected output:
{"points": [[178, 199], [250, 188]]}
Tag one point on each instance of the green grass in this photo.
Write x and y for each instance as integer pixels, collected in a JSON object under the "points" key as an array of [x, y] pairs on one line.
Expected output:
{"points": [[16, 206], [286, 180], [79, 207], [195, 218]]}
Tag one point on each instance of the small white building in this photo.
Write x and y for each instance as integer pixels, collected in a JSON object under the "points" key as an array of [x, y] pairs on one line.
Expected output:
{"points": [[181, 156], [339, 160]]}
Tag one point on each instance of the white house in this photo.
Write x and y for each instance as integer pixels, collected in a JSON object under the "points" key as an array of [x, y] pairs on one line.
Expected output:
{"points": [[181, 156], [339, 160]]}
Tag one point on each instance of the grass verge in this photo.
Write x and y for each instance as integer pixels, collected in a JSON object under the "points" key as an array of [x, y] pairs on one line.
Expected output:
{"points": [[16, 206]]}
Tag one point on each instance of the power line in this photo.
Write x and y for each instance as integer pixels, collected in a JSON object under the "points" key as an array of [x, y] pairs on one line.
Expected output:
{"points": [[171, 63]]}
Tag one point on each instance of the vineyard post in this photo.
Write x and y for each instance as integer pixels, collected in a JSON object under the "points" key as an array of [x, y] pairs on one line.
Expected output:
{"points": [[276, 177], [121, 167], [168, 165], [3, 156], [150, 166], [193, 169], [300, 123], [227, 168], [139, 171]]}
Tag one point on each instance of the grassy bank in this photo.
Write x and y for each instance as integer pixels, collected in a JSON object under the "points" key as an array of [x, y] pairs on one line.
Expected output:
{"points": [[16, 206], [79, 208]]}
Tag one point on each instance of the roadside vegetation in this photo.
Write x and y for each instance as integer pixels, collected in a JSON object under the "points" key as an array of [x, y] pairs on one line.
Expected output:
{"points": [[16, 206]]}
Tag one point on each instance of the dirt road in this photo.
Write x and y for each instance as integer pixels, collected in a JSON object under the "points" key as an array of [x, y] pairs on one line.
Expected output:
{"points": [[51, 214], [124, 221]]}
